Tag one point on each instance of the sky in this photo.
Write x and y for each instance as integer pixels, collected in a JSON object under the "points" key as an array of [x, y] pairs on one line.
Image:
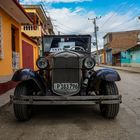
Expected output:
{"points": [[71, 16]]}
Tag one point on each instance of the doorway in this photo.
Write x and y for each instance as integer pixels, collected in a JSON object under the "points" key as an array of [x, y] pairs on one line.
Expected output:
{"points": [[27, 55], [15, 47]]}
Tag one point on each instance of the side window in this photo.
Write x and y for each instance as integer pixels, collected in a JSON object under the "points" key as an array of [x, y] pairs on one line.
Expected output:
{"points": [[1, 40]]}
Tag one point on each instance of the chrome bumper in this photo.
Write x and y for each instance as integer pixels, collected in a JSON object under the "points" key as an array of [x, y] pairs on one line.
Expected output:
{"points": [[66, 100]]}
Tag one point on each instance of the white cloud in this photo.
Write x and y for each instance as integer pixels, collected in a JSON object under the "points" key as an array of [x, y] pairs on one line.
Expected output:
{"points": [[69, 21], [76, 21]]}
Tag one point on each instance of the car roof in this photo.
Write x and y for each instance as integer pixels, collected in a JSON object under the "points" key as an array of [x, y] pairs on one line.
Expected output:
{"points": [[77, 36]]}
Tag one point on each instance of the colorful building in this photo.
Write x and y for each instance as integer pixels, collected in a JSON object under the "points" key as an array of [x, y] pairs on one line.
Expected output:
{"points": [[131, 57], [11, 17], [40, 26], [101, 56], [122, 48], [12, 40]]}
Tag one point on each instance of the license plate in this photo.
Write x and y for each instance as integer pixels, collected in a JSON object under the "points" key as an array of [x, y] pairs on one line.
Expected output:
{"points": [[66, 86]]}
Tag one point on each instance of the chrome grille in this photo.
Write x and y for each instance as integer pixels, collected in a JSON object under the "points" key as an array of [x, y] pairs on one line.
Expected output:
{"points": [[66, 70]]}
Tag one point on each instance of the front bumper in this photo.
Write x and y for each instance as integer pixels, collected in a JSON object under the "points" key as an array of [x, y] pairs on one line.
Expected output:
{"points": [[66, 100]]}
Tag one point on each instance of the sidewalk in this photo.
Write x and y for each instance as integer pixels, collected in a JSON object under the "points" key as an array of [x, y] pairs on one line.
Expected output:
{"points": [[6, 84], [129, 69], [5, 98], [6, 89]]}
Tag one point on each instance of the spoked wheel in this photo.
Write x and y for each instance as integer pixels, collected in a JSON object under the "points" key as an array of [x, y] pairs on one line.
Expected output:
{"points": [[22, 112], [109, 111]]}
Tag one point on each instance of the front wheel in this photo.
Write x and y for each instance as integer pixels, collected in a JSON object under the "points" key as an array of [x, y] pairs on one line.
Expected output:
{"points": [[22, 112], [109, 111]]}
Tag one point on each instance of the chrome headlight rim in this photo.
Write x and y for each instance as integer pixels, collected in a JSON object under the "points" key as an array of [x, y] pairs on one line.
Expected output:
{"points": [[89, 63], [44, 62]]}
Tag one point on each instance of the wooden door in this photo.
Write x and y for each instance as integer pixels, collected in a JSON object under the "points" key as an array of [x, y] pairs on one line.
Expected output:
{"points": [[27, 55]]}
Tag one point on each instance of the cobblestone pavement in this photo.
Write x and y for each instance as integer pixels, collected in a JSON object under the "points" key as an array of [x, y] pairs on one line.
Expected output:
{"points": [[79, 122]]}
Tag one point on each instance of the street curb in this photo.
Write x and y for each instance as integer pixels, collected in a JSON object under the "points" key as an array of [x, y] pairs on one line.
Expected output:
{"points": [[6, 86], [5, 98], [131, 71]]}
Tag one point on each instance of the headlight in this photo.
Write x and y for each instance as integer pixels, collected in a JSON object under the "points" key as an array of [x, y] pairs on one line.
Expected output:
{"points": [[89, 63], [42, 63]]}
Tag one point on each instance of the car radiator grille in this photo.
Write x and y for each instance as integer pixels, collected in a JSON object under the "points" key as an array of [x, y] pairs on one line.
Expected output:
{"points": [[66, 71]]}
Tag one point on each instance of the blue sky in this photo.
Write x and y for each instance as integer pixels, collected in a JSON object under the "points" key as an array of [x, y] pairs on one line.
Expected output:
{"points": [[71, 16], [101, 7]]}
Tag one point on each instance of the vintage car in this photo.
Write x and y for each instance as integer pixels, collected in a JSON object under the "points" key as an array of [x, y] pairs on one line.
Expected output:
{"points": [[66, 76]]}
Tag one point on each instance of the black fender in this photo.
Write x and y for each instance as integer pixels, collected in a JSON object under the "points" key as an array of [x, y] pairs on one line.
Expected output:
{"points": [[108, 75], [29, 75], [97, 77]]}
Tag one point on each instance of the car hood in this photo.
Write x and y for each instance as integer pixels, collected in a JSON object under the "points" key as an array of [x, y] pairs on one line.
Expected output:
{"points": [[67, 54]]}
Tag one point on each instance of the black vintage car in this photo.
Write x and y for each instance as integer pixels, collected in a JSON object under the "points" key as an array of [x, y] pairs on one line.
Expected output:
{"points": [[66, 76]]}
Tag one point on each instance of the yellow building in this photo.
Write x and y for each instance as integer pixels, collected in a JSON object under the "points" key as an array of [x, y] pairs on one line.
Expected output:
{"points": [[41, 24], [12, 16], [102, 56]]}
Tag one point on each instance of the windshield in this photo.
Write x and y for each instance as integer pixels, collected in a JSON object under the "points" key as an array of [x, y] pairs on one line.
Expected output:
{"points": [[61, 43]]}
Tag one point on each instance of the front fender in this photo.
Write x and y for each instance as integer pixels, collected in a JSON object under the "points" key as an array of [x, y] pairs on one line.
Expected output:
{"points": [[23, 75], [108, 75], [28, 74], [101, 75]]}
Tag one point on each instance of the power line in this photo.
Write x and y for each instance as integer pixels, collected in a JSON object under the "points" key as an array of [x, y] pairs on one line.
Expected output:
{"points": [[117, 10], [136, 11], [43, 4], [65, 30], [113, 14], [132, 18], [64, 25], [125, 22]]}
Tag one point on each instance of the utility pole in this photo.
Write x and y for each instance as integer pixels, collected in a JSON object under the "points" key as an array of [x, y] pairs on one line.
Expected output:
{"points": [[96, 28]]}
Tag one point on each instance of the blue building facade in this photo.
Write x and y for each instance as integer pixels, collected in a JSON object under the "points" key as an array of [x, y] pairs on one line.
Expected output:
{"points": [[125, 58], [131, 57], [109, 56]]}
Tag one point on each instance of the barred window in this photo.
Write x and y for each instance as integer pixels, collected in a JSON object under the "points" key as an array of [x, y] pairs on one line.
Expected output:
{"points": [[1, 40]]}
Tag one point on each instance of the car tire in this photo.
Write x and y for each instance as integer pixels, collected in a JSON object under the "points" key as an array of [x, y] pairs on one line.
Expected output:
{"points": [[22, 112], [109, 111]]}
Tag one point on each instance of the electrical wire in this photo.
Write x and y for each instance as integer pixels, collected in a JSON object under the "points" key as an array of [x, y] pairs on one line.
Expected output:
{"points": [[119, 9], [68, 27]]}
